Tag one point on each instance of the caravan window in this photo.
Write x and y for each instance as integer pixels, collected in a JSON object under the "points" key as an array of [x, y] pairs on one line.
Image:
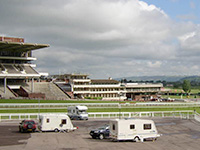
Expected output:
{"points": [[48, 120], [63, 121], [113, 126], [147, 126], [132, 126]]}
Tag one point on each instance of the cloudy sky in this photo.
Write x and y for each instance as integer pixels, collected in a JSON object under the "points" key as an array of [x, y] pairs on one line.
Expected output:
{"points": [[108, 38]]}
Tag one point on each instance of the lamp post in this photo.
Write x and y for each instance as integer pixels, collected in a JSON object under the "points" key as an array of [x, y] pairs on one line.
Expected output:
{"points": [[38, 108], [119, 106]]}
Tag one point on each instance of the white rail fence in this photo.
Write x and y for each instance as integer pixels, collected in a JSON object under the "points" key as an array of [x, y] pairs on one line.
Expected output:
{"points": [[20, 105], [197, 116], [174, 114], [177, 114]]}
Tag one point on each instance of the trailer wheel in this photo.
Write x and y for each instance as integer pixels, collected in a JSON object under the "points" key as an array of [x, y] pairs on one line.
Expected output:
{"points": [[56, 130], [101, 136], [137, 139], [154, 139]]}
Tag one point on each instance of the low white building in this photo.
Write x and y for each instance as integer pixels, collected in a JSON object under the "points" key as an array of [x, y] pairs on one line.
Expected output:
{"points": [[80, 86]]}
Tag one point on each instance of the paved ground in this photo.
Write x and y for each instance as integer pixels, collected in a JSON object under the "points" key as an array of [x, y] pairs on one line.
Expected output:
{"points": [[177, 135]]}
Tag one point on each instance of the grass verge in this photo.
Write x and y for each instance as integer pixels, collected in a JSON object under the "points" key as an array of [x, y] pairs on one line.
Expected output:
{"points": [[197, 109]]}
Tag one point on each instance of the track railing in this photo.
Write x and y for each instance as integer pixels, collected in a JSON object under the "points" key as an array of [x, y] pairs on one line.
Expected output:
{"points": [[35, 105], [197, 116], [174, 114]]}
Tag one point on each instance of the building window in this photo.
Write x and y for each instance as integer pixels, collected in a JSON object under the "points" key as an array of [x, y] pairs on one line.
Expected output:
{"points": [[48, 120], [63, 121], [132, 126], [147, 126]]}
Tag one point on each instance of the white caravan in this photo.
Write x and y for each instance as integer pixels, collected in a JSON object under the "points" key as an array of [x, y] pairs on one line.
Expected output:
{"points": [[133, 129], [78, 112], [55, 122]]}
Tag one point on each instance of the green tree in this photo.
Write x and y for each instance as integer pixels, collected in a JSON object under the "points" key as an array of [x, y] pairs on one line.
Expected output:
{"points": [[186, 86]]}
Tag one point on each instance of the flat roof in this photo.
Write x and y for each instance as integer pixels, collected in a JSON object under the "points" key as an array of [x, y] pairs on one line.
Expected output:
{"points": [[20, 47], [104, 81]]}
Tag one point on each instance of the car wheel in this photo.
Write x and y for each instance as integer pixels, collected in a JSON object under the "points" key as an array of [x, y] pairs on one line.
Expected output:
{"points": [[101, 136], [29, 126], [94, 137]]}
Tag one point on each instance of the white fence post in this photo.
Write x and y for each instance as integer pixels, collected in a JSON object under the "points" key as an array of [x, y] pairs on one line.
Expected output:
{"points": [[181, 114]]}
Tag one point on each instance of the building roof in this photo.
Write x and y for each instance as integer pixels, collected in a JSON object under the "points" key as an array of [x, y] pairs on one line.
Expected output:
{"points": [[20, 47], [104, 81]]}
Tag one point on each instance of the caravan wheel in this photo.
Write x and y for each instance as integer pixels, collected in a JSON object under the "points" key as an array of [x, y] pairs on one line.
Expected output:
{"points": [[56, 130], [137, 139]]}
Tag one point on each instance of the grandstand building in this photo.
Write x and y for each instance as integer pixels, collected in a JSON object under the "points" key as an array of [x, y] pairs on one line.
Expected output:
{"points": [[80, 86], [16, 67], [19, 79]]}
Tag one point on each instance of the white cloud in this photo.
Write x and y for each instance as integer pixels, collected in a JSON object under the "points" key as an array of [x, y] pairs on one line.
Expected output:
{"points": [[192, 5], [156, 64], [101, 37]]}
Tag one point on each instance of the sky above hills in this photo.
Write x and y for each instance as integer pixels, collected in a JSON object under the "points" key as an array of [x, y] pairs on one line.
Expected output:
{"points": [[108, 38]]}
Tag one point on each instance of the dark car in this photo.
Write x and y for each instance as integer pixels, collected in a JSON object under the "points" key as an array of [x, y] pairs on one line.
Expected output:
{"points": [[101, 132], [27, 126]]}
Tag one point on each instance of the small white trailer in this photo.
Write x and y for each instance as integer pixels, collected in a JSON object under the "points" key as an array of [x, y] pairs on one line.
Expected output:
{"points": [[133, 129], [77, 112], [55, 122]]}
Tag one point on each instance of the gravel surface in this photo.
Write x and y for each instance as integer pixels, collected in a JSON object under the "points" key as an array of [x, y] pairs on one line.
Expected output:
{"points": [[177, 134]]}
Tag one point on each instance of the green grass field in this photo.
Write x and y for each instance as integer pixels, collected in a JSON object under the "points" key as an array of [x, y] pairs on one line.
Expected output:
{"points": [[193, 91], [102, 110], [53, 101], [124, 108]]}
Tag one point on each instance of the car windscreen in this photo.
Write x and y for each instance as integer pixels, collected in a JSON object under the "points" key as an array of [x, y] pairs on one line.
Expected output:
{"points": [[29, 122], [103, 127]]}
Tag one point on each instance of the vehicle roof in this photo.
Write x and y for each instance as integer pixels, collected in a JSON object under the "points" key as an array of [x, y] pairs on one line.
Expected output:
{"points": [[132, 120], [27, 120], [82, 107], [54, 115]]}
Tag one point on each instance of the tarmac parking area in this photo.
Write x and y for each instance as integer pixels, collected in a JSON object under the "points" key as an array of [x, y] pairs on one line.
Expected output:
{"points": [[177, 134]]}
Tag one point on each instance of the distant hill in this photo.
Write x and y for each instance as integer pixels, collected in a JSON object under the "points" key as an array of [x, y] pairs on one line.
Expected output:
{"points": [[192, 78], [162, 78]]}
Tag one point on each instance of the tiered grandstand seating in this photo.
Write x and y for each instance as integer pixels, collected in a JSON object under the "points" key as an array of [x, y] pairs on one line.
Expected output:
{"points": [[19, 67], [29, 70], [11, 69], [66, 88], [50, 90], [8, 94], [2, 67]]}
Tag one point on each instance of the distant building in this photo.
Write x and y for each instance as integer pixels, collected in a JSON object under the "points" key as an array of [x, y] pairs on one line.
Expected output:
{"points": [[80, 86]]}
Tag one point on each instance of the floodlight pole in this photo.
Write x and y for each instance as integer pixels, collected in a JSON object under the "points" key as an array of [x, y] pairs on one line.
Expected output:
{"points": [[32, 85], [38, 108], [5, 84], [119, 110]]}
